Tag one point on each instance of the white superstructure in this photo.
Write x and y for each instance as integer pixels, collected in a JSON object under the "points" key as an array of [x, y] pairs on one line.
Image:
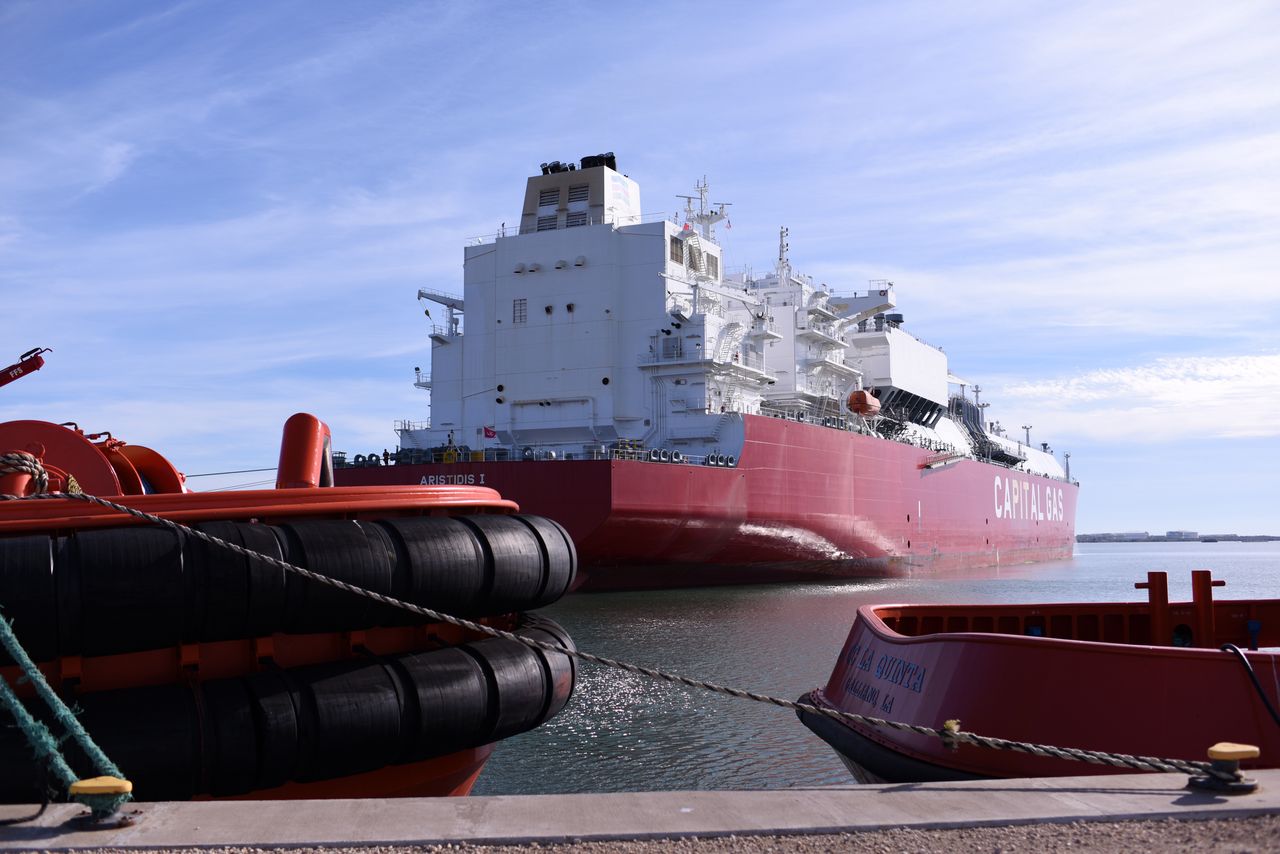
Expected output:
{"points": [[588, 331]]}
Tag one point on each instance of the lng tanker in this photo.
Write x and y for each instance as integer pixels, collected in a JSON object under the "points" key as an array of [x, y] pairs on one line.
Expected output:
{"points": [[689, 425]]}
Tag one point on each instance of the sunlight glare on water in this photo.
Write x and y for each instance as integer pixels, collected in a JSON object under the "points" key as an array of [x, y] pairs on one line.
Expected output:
{"points": [[629, 733]]}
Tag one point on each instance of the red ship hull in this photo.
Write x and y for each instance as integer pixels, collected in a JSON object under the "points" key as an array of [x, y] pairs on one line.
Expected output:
{"points": [[803, 503], [1071, 675]]}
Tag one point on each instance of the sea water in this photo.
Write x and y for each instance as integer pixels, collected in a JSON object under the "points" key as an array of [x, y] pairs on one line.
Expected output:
{"points": [[630, 733]]}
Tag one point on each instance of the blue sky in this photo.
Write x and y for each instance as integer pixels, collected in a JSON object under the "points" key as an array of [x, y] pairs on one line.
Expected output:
{"points": [[220, 214]]}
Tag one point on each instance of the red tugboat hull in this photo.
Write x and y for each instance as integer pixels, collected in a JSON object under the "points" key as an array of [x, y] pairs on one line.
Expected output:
{"points": [[203, 672], [1079, 675]]}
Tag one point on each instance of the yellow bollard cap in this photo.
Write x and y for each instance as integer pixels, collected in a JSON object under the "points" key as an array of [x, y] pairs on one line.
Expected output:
{"points": [[101, 786], [1229, 751]]}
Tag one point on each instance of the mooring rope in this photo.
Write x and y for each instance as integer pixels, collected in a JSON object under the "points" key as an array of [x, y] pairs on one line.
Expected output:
{"points": [[21, 462], [43, 742], [950, 734]]}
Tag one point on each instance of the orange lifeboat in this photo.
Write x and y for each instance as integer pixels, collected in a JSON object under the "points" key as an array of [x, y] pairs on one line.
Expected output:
{"points": [[204, 672], [863, 402]]}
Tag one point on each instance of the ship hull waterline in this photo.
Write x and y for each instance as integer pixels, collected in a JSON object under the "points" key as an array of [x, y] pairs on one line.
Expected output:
{"points": [[803, 503]]}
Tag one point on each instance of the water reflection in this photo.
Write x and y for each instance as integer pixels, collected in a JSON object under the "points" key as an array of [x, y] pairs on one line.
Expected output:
{"points": [[628, 733]]}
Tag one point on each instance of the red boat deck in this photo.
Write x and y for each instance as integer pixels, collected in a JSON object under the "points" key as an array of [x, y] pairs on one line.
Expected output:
{"points": [[1138, 678], [1119, 623]]}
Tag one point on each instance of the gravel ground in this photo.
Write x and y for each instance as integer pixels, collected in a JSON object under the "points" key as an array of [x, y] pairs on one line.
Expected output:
{"points": [[1223, 836]]}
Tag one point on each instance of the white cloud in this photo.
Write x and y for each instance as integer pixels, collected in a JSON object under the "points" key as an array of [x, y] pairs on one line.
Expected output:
{"points": [[1217, 397], [113, 159]]}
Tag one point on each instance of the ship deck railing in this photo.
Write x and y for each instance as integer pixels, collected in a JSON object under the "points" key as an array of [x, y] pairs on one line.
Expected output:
{"points": [[514, 230], [416, 456], [750, 360], [402, 425], [447, 456], [435, 456]]}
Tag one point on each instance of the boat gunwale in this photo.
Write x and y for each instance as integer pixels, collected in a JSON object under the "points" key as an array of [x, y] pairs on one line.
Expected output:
{"points": [[869, 616], [40, 516]]}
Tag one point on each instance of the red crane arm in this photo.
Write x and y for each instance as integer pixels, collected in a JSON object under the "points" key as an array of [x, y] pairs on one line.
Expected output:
{"points": [[28, 362]]}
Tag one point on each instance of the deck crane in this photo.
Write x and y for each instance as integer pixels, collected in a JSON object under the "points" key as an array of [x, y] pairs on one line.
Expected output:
{"points": [[28, 362]]}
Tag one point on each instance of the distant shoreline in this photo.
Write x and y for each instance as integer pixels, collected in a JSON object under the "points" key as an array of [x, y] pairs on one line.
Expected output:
{"points": [[1158, 538]]}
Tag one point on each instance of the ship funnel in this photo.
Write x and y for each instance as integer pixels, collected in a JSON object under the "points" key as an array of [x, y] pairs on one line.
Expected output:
{"points": [[593, 160], [565, 196]]}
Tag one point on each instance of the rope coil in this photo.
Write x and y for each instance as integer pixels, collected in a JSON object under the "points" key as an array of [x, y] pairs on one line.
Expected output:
{"points": [[951, 734], [21, 462]]}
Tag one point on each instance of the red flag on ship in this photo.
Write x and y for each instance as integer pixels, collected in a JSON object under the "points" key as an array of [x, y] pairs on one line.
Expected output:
{"points": [[490, 433]]}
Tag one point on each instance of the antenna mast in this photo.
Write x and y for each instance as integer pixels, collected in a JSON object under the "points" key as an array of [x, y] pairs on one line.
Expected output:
{"points": [[705, 219], [784, 263]]}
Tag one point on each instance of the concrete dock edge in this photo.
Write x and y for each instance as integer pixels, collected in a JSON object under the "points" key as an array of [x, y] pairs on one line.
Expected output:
{"points": [[639, 815]]}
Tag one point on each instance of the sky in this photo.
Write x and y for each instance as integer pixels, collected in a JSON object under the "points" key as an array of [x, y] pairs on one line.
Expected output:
{"points": [[217, 214]]}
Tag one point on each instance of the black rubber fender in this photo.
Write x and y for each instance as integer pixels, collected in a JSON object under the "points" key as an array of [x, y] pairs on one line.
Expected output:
{"points": [[385, 546], [29, 596], [127, 589], [351, 718], [519, 684], [529, 684], [231, 596], [561, 559], [274, 700], [440, 563], [562, 670], [232, 736], [131, 589], [338, 550], [452, 693], [67, 583], [228, 737], [516, 562], [152, 734], [22, 782]]}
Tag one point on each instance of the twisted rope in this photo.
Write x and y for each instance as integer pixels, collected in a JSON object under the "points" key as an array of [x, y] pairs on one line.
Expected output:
{"points": [[41, 740], [21, 462], [950, 734]]}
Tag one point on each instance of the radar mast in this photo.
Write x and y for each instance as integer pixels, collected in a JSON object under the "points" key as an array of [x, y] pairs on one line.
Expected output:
{"points": [[704, 219]]}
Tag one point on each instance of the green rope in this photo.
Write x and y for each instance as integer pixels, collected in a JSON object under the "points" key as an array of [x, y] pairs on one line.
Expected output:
{"points": [[41, 739], [42, 742]]}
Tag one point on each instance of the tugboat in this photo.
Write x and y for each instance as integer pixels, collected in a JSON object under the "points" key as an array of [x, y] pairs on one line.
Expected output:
{"points": [[203, 672], [1148, 678]]}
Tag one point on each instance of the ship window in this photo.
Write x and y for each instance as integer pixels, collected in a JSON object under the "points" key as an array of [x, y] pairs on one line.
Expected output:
{"points": [[547, 223], [577, 218], [578, 193], [677, 250], [519, 310], [549, 198], [713, 266]]}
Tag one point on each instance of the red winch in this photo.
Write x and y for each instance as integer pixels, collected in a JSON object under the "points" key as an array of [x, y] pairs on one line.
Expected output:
{"points": [[97, 462]]}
